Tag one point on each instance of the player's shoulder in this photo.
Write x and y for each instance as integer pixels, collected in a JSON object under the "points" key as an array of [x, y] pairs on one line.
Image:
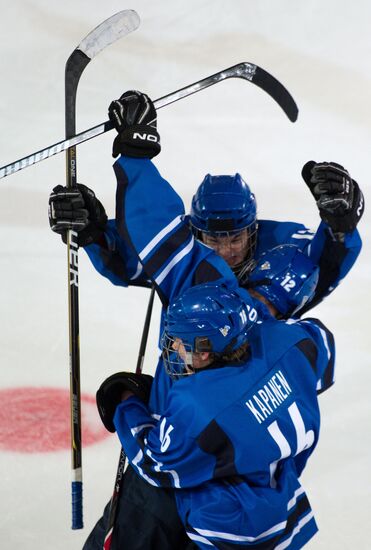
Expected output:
{"points": [[269, 225], [290, 329], [314, 328], [272, 233], [275, 338]]}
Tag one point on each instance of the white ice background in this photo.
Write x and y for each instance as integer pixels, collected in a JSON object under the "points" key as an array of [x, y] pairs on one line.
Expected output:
{"points": [[320, 49]]}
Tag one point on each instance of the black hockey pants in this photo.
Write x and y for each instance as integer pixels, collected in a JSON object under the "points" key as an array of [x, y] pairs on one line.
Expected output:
{"points": [[147, 519]]}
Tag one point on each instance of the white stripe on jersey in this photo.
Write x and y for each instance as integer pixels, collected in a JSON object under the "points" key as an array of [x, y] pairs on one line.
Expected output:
{"points": [[147, 249], [297, 529], [138, 271], [157, 468], [291, 321], [239, 538], [165, 272], [137, 459], [278, 527], [307, 236], [138, 429], [325, 341]]}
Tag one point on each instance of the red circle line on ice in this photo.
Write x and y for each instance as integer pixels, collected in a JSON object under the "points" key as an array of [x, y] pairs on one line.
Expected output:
{"points": [[37, 420]]}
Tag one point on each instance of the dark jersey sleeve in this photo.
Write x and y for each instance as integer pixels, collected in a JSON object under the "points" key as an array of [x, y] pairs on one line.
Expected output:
{"points": [[320, 352], [116, 261], [150, 222], [335, 257]]}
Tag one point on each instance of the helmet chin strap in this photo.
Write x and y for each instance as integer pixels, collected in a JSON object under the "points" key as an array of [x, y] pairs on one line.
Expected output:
{"points": [[243, 269]]}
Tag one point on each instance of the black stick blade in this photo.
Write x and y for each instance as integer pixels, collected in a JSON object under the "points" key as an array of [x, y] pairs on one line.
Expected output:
{"points": [[277, 91]]}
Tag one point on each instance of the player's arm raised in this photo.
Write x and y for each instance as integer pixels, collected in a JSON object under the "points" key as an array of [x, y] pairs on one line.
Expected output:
{"points": [[149, 213], [337, 243]]}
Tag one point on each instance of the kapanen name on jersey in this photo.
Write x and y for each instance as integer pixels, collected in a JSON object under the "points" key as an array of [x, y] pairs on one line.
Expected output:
{"points": [[269, 397]]}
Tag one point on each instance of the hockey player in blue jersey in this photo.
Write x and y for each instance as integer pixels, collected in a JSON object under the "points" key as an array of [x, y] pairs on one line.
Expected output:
{"points": [[284, 279], [224, 216], [240, 422], [223, 213]]}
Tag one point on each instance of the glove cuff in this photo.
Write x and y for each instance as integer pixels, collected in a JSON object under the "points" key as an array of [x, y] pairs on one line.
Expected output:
{"points": [[140, 141]]}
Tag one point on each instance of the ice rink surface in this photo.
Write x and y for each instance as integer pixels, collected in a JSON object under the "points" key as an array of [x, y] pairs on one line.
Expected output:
{"points": [[321, 51]]}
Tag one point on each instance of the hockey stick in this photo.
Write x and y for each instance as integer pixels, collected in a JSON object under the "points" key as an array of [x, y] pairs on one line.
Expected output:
{"points": [[246, 71], [121, 465], [105, 34]]}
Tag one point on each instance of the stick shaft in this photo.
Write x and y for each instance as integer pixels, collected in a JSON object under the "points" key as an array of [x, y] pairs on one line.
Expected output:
{"points": [[74, 68], [103, 35]]}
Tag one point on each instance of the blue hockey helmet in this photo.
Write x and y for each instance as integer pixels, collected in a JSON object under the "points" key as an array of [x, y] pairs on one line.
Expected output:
{"points": [[222, 208], [286, 277], [206, 318], [222, 204]]}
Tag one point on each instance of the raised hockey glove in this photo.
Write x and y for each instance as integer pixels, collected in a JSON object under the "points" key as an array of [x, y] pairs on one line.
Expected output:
{"points": [[135, 119], [78, 209], [110, 392], [338, 196]]}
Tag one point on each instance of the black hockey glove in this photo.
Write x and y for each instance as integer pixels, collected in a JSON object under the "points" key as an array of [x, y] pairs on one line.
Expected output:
{"points": [[135, 119], [338, 196], [109, 393], [78, 209]]}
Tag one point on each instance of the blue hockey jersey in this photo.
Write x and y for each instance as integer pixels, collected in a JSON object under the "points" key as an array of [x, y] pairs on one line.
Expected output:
{"points": [[150, 218], [234, 439]]}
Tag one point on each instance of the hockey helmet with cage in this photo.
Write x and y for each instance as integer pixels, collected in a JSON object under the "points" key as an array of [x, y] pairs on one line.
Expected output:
{"points": [[206, 318], [286, 277], [222, 204]]}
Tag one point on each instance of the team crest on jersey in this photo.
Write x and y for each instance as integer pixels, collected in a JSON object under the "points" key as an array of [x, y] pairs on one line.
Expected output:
{"points": [[265, 265], [225, 330]]}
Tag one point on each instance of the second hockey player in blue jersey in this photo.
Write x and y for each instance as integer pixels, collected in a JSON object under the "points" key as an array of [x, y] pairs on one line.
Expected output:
{"points": [[241, 420], [223, 214]]}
